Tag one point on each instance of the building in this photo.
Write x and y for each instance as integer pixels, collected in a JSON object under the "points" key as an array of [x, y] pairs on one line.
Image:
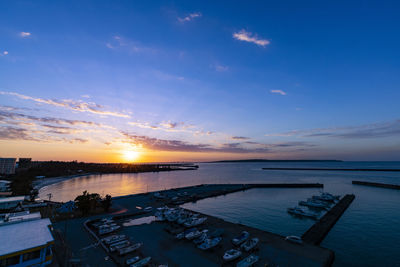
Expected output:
{"points": [[7, 165], [9, 203], [25, 240], [5, 186], [24, 163]]}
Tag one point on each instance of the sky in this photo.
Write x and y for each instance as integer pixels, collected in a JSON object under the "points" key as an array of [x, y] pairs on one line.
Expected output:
{"points": [[160, 81]]}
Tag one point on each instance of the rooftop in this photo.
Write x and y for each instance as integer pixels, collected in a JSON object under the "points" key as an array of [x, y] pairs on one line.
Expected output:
{"points": [[12, 199], [24, 235]]}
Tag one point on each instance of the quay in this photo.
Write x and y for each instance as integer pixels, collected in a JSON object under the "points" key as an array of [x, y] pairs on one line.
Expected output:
{"points": [[320, 229], [390, 186], [332, 169]]}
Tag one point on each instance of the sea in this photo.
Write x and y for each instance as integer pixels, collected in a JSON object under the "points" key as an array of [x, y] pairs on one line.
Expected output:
{"points": [[367, 234]]}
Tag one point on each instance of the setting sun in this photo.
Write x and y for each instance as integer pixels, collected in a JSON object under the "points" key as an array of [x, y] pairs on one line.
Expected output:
{"points": [[130, 155]]}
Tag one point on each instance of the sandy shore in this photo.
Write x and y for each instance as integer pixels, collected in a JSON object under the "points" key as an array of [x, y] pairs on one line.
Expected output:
{"points": [[42, 182]]}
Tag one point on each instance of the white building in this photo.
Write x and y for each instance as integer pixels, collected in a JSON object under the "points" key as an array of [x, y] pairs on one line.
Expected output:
{"points": [[25, 240], [7, 165], [7, 203], [5, 186]]}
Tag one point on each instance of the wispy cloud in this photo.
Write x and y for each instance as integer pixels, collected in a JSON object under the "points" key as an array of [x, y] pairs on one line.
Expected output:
{"points": [[130, 46], [245, 36], [220, 68], [281, 92], [240, 138], [25, 34], [373, 130], [4, 53], [190, 17], [79, 106]]}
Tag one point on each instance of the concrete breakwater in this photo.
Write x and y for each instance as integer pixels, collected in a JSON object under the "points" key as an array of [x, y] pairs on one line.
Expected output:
{"points": [[390, 186], [332, 169], [320, 229]]}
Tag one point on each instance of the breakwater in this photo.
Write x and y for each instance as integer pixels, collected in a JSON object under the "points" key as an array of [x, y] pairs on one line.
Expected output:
{"points": [[390, 186], [333, 169], [321, 228]]}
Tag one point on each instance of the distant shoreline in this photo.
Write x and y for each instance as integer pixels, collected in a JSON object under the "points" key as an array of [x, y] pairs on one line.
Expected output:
{"points": [[274, 160], [43, 182], [332, 169]]}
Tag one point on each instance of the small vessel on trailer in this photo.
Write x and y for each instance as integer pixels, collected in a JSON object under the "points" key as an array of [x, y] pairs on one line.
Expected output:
{"points": [[132, 260], [250, 244], [241, 238], [210, 243], [113, 239], [302, 213], [142, 262], [249, 261], [119, 245], [232, 254], [129, 249], [294, 239]]}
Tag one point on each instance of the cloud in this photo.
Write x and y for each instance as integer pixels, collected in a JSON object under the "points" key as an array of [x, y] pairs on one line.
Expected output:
{"points": [[220, 68], [167, 126], [190, 17], [80, 106], [5, 53], [130, 46], [240, 138], [247, 37], [13, 133], [278, 92], [25, 34], [366, 131]]}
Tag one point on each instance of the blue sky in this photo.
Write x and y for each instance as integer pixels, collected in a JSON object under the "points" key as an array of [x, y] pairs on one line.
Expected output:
{"points": [[199, 80]]}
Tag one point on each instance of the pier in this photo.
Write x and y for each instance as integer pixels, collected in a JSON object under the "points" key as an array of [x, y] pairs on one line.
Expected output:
{"points": [[390, 186], [332, 169], [320, 229]]}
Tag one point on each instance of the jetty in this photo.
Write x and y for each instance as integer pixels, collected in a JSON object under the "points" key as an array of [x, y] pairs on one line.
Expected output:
{"points": [[390, 186], [320, 229], [333, 169]]}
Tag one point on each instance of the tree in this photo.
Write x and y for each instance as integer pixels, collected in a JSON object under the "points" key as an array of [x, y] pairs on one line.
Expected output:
{"points": [[87, 202], [106, 203]]}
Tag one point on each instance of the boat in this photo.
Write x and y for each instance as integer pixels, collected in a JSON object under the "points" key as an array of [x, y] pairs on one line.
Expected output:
{"points": [[113, 239], [313, 204], [142, 262], [132, 260], [326, 194], [232, 254], [200, 239], [193, 235], [159, 195], [249, 261], [300, 212], [183, 234], [294, 239], [129, 249], [148, 209], [250, 244], [195, 222], [106, 229], [241, 238], [119, 245], [209, 243], [325, 198]]}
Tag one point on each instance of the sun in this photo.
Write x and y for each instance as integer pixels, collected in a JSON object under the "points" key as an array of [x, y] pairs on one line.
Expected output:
{"points": [[130, 155]]}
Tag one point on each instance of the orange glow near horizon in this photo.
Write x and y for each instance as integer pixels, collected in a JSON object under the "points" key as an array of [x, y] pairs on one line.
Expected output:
{"points": [[130, 155]]}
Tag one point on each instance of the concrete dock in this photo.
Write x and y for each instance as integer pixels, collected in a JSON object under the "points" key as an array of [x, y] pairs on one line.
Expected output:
{"points": [[320, 229], [333, 169], [390, 186]]}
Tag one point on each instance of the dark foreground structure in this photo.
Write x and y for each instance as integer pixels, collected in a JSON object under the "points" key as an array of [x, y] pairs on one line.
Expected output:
{"points": [[320, 229], [390, 186]]}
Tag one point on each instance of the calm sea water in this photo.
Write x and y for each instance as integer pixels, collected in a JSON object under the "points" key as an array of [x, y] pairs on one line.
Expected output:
{"points": [[368, 233]]}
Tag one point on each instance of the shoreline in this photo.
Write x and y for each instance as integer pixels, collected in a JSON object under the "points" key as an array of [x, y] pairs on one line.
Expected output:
{"points": [[43, 182]]}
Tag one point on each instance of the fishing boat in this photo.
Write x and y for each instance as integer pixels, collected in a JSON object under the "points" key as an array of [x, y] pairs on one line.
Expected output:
{"points": [[241, 238], [249, 261], [132, 260], [129, 249], [302, 213], [193, 235], [232, 254], [210, 243], [113, 239], [142, 262], [250, 244], [294, 239]]}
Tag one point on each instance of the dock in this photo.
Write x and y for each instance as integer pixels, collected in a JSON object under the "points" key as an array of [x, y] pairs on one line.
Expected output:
{"points": [[390, 186], [320, 229]]}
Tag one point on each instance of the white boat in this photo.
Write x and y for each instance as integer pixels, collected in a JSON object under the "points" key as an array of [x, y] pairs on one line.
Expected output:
{"points": [[148, 209], [193, 235], [106, 229], [241, 238], [300, 212], [250, 244], [200, 239], [325, 198], [209, 243], [113, 239], [249, 261], [313, 204], [129, 249], [119, 245], [142, 262], [183, 234], [195, 222], [232, 254], [132, 260], [294, 239]]}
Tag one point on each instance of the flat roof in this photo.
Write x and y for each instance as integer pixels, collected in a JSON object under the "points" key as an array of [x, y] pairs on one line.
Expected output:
{"points": [[12, 199], [5, 181], [24, 235]]}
